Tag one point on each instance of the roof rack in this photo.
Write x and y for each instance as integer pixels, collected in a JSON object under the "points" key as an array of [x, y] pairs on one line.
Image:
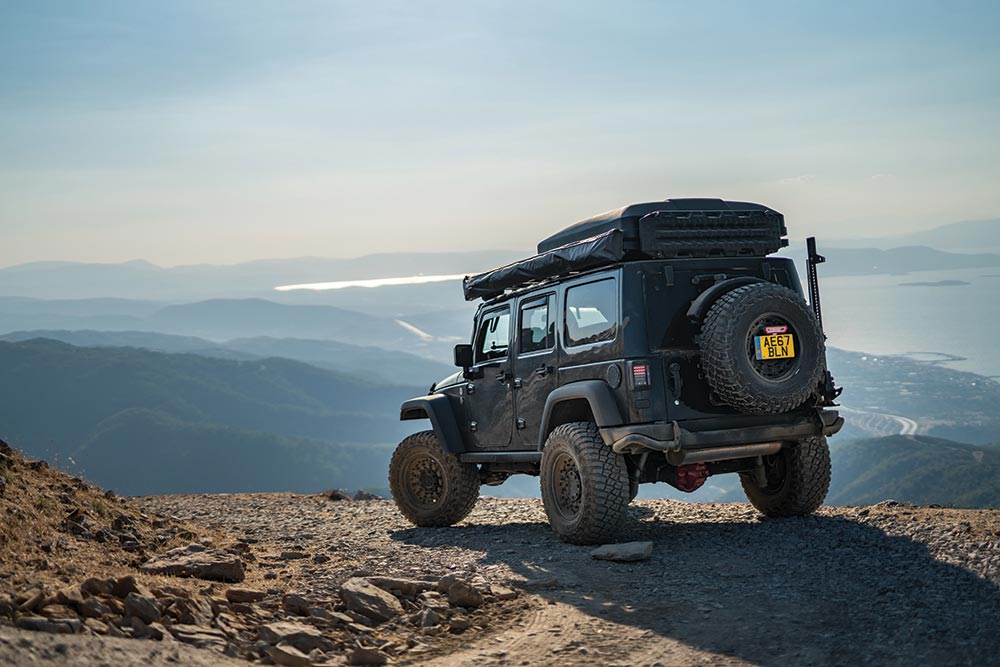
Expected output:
{"points": [[674, 228]]}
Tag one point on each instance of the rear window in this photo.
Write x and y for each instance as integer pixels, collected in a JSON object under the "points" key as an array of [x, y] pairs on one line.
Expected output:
{"points": [[591, 313], [537, 330]]}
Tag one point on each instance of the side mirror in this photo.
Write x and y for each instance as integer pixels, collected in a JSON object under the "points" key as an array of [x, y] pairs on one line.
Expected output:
{"points": [[463, 356]]}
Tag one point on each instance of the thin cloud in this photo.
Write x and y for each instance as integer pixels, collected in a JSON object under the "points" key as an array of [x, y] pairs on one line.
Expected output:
{"points": [[797, 180]]}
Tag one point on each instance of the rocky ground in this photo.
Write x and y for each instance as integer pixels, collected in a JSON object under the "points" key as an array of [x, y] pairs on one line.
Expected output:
{"points": [[350, 582]]}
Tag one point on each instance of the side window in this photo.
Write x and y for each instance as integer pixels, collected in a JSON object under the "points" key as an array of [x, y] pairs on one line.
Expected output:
{"points": [[591, 312], [538, 331], [494, 336]]}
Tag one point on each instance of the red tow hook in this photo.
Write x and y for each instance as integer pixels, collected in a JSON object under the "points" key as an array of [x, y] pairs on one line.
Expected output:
{"points": [[691, 476]]}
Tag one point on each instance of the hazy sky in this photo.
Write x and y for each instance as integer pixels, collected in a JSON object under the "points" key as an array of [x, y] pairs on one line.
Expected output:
{"points": [[185, 132]]}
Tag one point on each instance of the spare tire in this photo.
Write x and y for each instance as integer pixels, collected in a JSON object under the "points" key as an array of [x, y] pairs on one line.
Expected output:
{"points": [[762, 349]]}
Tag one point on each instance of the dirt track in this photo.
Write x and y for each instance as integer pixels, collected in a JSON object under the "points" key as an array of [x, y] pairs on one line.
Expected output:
{"points": [[882, 585]]}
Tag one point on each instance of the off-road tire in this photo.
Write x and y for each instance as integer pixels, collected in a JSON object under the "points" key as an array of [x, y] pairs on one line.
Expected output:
{"points": [[595, 514], [726, 336], [451, 488], [803, 486]]}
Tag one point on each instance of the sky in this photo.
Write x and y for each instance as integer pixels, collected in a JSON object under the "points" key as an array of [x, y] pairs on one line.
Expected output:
{"points": [[184, 132]]}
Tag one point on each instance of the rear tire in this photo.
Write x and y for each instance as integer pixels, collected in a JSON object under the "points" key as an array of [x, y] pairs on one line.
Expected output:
{"points": [[798, 478], [430, 486], [585, 485]]}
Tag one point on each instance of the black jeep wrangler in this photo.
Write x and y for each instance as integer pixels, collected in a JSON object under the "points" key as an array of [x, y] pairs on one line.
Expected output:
{"points": [[659, 342]]}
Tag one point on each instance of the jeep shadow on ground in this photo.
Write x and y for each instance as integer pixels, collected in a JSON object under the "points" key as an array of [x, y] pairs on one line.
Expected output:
{"points": [[812, 590]]}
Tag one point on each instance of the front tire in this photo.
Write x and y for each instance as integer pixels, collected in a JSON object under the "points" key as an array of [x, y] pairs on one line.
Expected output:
{"points": [[430, 486], [585, 485], [797, 480]]}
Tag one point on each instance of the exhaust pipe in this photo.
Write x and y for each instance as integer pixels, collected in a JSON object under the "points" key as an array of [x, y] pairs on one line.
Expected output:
{"points": [[710, 454]]}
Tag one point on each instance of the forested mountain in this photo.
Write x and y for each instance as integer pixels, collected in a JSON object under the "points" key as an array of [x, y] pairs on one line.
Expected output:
{"points": [[372, 363], [915, 469], [143, 421]]}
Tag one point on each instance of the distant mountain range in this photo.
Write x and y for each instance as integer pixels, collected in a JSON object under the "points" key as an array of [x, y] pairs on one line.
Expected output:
{"points": [[978, 243], [965, 236], [142, 280], [903, 260], [142, 422], [369, 363], [225, 319]]}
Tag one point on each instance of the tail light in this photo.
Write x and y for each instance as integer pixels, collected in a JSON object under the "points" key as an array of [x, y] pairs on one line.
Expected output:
{"points": [[640, 375]]}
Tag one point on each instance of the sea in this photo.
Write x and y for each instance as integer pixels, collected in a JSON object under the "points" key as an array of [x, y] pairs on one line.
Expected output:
{"points": [[955, 323]]}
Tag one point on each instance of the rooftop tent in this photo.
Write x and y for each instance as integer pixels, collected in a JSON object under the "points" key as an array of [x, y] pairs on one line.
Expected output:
{"points": [[675, 228], [704, 221]]}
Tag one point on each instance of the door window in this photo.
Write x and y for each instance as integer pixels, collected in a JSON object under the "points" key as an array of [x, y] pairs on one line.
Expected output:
{"points": [[537, 329], [591, 312], [494, 336]]}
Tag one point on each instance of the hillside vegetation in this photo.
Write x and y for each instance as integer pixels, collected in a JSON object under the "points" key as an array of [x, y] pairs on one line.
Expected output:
{"points": [[140, 421], [915, 469]]}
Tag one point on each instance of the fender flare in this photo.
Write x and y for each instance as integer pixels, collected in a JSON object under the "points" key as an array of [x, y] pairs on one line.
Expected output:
{"points": [[700, 306], [598, 395], [438, 409]]}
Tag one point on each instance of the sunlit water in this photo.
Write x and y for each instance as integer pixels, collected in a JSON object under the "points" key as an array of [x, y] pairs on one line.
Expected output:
{"points": [[876, 314]]}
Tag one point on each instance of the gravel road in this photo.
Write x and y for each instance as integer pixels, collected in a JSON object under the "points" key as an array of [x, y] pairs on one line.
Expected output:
{"points": [[887, 585]]}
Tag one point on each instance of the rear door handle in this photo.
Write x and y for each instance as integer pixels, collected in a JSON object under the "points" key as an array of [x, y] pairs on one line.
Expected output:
{"points": [[502, 377], [542, 370]]}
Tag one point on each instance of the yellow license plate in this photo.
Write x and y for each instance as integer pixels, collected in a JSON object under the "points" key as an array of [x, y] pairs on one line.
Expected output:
{"points": [[776, 346]]}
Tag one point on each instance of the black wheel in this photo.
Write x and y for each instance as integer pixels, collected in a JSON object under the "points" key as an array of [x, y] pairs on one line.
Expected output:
{"points": [[430, 486], [585, 485], [796, 479], [744, 373]]}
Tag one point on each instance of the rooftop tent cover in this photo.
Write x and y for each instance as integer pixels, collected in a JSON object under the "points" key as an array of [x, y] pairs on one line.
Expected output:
{"points": [[599, 250]]}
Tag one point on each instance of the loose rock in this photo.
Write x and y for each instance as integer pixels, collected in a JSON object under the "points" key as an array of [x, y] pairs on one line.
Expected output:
{"points": [[625, 552], [142, 608], [195, 560], [366, 656], [244, 595], [365, 598], [301, 636], [462, 594], [288, 655]]}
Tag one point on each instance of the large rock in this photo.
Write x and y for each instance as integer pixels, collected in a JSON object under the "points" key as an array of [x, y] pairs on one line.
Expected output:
{"points": [[287, 655], [366, 656], [71, 596], [200, 637], [192, 611], [195, 560], [410, 587], [94, 608], [143, 608], [245, 595], [301, 636], [462, 594], [625, 552], [365, 598], [95, 586], [59, 626], [122, 586]]}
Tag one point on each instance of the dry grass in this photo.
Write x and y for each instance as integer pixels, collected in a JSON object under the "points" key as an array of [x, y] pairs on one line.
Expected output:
{"points": [[56, 529]]}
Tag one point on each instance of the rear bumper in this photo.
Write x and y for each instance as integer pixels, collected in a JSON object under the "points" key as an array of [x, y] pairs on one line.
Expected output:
{"points": [[688, 442]]}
